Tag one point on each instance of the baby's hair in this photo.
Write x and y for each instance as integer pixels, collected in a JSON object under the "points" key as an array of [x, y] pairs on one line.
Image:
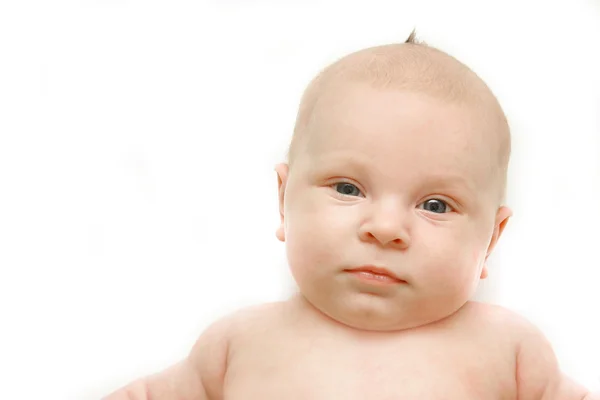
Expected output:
{"points": [[412, 65], [412, 38]]}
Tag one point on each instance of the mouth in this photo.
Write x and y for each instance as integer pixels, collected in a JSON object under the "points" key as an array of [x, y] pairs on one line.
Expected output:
{"points": [[375, 275]]}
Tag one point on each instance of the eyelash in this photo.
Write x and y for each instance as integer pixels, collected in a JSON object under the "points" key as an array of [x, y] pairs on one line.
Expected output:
{"points": [[345, 196]]}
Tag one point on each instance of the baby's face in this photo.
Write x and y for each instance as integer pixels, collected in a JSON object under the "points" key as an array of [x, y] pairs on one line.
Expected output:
{"points": [[394, 180]]}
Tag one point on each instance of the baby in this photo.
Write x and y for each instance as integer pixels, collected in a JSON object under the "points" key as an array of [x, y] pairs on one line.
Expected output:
{"points": [[391, 203]]}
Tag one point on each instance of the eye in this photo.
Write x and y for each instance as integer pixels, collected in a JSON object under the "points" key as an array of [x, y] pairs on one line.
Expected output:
{"points": [[347, 189], [436, 206]]}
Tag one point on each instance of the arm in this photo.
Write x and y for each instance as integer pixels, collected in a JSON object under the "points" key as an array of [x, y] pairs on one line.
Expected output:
{"points": [[199, 376], [180, 382], [538, 375]]}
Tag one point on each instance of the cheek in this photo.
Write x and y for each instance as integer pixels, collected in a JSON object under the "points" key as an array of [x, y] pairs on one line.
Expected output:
{"points": [[452, 258], [317, 231]]}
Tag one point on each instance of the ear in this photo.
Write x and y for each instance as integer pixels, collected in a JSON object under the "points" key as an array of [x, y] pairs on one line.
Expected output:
{"points": [[502, 216], [282, 177]]}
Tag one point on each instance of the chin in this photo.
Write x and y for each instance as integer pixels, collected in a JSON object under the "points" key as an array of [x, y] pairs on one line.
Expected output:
{"points": [[374, 315], [382, 315]]}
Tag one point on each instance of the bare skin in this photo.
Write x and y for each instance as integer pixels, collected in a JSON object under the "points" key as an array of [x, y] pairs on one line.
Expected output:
{"points": [[331, 361], [405, 185], [290, 350]]}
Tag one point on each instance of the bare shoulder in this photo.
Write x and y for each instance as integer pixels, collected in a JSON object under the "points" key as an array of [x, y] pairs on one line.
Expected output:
{"points": [[239, 323], [499, 318], [201, 374], [492, 319], [252, 319], [538, 374], [518, 328], [210, 354]]}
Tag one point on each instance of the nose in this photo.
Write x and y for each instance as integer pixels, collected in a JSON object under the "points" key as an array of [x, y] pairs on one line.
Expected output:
{"points": [[386, 225]]}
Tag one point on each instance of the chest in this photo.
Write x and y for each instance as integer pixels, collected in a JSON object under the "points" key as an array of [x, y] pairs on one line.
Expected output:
{"points": [[326, 368]]}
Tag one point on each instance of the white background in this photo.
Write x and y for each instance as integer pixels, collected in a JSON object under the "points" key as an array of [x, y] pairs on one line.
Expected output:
{"points": [[137, 192]]}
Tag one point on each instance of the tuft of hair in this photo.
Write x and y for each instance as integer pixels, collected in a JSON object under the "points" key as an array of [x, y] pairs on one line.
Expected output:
{"points": [[412, 38]]}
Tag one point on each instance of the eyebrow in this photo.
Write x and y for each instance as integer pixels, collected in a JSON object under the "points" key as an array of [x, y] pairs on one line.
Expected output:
{"points": [[454, 180], [358, 164], [456, 186], [339, 160]]}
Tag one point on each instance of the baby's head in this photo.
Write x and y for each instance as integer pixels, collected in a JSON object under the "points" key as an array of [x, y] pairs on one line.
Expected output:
{"points": [[398, 161]]}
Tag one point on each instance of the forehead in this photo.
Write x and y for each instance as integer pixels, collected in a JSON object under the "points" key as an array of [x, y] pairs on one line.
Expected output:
{"points": [[399, 131]]}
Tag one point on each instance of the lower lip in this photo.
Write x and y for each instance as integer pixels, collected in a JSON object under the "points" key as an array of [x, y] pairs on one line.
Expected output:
{"points": [[376, 279]]}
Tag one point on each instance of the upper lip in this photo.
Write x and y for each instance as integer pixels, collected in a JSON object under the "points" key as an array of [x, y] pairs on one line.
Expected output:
{"points": [[376, 270]]}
